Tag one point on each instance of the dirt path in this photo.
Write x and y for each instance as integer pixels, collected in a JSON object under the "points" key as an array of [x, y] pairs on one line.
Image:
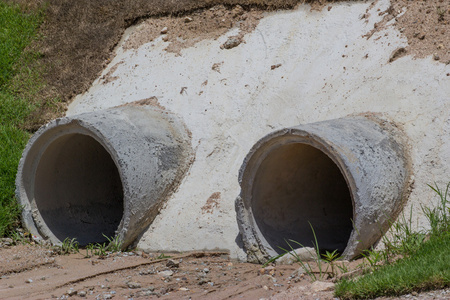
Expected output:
{"points": [[34, 272]]}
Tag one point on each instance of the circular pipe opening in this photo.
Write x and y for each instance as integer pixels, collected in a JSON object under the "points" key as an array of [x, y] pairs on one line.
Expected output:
{"points": [[78, 190], [297, 185]]}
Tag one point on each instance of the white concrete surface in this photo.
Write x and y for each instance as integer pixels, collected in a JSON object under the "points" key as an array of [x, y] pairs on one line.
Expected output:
{"points": [[324, 74]]}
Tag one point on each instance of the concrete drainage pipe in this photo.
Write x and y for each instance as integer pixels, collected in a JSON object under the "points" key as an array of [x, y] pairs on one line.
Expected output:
{"points": [[346, 177], [101, 173]]}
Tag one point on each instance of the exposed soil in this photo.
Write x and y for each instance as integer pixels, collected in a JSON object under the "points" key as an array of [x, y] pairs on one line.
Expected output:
{"points": [[34, 272], [426, 25], [185, 31], [79, 36]]}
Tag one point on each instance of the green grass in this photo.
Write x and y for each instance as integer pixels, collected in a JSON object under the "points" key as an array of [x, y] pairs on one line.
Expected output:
{"points": [[426, 263], [17, 30], [428, 268]]}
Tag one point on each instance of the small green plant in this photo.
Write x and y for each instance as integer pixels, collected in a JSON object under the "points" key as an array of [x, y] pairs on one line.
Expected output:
{"points": [[329, 258], [69, 246], [343, 267], [114, 244], [102, 249], [163, 256], [403, 240], [96, 249], [373, 257], [439, 217]]}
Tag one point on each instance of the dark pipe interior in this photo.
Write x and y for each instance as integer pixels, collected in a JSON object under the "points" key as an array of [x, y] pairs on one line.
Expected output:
{"points": [[296, 184], [78, 190]]}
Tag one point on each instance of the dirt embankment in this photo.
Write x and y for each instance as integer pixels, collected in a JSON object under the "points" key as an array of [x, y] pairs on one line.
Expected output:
{"points": [[79, 36]]}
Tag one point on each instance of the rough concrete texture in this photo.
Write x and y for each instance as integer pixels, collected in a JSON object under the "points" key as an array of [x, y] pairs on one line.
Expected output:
{"points": [[327, 70], [101, 173], [344, 178]]}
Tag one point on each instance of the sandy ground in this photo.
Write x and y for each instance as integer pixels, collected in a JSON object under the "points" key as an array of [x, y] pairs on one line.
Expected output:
{"points": [[36, 272]]}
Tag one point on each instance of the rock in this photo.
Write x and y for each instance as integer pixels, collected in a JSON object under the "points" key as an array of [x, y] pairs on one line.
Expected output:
{"points": [[270, 270], [304, 254], [164, 30], [165, 38], [82, 293], [7, 241], [188, 20], [202, 281], [107, 296], [72, 292], [151, 288], [166, 273], [206, 270], [133, 285], [233, 41], [298, 272], [322, 286], [237, 11], [436, 56], [29, 281], [172, 264]]}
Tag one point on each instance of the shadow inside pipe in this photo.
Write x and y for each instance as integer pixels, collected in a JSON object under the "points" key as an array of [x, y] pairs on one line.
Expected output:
{"points": [[297, 184], [78, 190]]}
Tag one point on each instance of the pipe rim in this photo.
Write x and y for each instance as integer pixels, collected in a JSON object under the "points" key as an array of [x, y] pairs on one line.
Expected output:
{"points": [[48, 135], [263, 148]]}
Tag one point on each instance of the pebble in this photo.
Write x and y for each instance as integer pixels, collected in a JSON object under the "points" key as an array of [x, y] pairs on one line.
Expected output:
{"points": [[436, 56], [270, 270], [82, 293], [133, 285], [188, 20], [232, 42], [322, 286], [172, 264], [29, 281], [7, 241], [71, 292], [166, 273], [206, 270], [164, 30]]}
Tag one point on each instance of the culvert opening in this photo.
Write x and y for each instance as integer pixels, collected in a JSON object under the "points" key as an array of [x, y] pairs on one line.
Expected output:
{"points": [[295, 184], [78, 190]]}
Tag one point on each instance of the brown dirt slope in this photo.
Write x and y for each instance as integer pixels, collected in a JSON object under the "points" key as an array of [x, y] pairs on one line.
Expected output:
{"points": [[79, 36]]}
